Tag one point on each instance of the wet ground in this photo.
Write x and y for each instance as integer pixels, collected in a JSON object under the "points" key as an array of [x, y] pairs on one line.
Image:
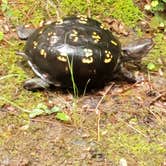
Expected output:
{"points": [[120, 121]]}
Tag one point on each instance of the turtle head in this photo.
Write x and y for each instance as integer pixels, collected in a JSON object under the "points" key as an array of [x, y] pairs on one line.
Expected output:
{"points": [[137, 49], [23, 32]]}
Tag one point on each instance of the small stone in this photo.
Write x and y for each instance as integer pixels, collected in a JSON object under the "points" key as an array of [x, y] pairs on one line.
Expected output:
{"points": [[122, 162]]}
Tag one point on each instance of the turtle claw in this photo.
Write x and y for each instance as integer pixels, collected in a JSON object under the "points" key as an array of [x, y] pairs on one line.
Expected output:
{"points": [[35, 84]]}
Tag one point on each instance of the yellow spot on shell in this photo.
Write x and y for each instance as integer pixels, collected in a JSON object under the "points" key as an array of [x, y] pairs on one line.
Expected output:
{"points": [[74, 32], [35, 43], [74, 35], [108, 56], [75, 39], [102, 26], [87, 60], [62, 57], [107, 60], [43, 53], [82, 19], [114, 43], [88, 52], [66, 69], [59, 21], [49, 33], [82, 16], [96, 37], [41, 31]]}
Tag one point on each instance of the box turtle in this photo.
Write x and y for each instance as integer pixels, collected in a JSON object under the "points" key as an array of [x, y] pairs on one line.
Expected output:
{"points": [[79, 49]]}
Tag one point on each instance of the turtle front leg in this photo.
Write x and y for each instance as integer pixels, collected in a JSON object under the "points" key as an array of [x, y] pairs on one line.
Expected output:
{"points": [[124, 75], [35, 84], [127, 76]]}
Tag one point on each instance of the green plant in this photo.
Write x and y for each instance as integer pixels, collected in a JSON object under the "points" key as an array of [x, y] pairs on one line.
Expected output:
{"points": [[151, 66], [42, 109], [5, 7], [127, 12], [75, 89], [154, 60], [1, 35], [62, 116], [158, 8], [122, 10]]}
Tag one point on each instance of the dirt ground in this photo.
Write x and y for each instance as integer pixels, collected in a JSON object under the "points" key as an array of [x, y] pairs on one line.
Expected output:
{"points": [[128, 111]]}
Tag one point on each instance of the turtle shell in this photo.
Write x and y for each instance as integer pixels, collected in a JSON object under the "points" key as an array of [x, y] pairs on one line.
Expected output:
{"points": [[78, 45]]}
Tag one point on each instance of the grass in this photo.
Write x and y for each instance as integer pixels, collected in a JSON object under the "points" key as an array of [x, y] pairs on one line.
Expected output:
{"points": [[135, 146], [75, 89], [157, 54], [12, 78], [21, 12]]}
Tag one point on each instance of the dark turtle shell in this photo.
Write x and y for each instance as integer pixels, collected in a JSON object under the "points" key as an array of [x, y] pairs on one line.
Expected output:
{"points": [[80, 44]]}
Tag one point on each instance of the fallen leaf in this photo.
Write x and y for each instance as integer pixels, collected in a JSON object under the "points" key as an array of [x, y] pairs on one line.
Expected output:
{"points": [[117, 26]]}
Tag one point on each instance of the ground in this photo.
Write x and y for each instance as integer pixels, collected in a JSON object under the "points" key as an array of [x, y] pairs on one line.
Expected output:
{"points": [[117, 124]]}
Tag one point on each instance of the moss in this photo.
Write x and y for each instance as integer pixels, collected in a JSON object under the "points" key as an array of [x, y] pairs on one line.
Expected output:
{"points": [[157, 52], [127, 12], [98, 7], [133, 146], [24, 12], [122, 10], [12, 79]]}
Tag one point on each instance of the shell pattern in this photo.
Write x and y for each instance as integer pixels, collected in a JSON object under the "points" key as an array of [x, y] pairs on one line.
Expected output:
{"points": [[78, 44]]}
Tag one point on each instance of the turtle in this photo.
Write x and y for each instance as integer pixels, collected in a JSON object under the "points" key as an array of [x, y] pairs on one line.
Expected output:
{"points": [[79, 50]]}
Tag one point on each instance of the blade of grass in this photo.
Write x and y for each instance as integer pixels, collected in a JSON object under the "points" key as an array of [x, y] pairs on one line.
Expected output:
{"points": [[75, 89], [14, 104]]}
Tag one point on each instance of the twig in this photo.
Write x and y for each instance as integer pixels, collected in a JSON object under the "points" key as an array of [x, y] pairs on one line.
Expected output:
{"points": [[14, 104], [52, 3], [8, 42], [89, 11], [50, 122], [98, 112], [157, 98], [8, 76], [42, 120], [138, 131], [31, 11]]}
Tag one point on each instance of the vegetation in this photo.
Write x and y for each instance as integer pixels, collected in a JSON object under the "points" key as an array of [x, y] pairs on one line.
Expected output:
{"points": [[128, 119], [19, 12], [158, 8], [157, 54]]}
